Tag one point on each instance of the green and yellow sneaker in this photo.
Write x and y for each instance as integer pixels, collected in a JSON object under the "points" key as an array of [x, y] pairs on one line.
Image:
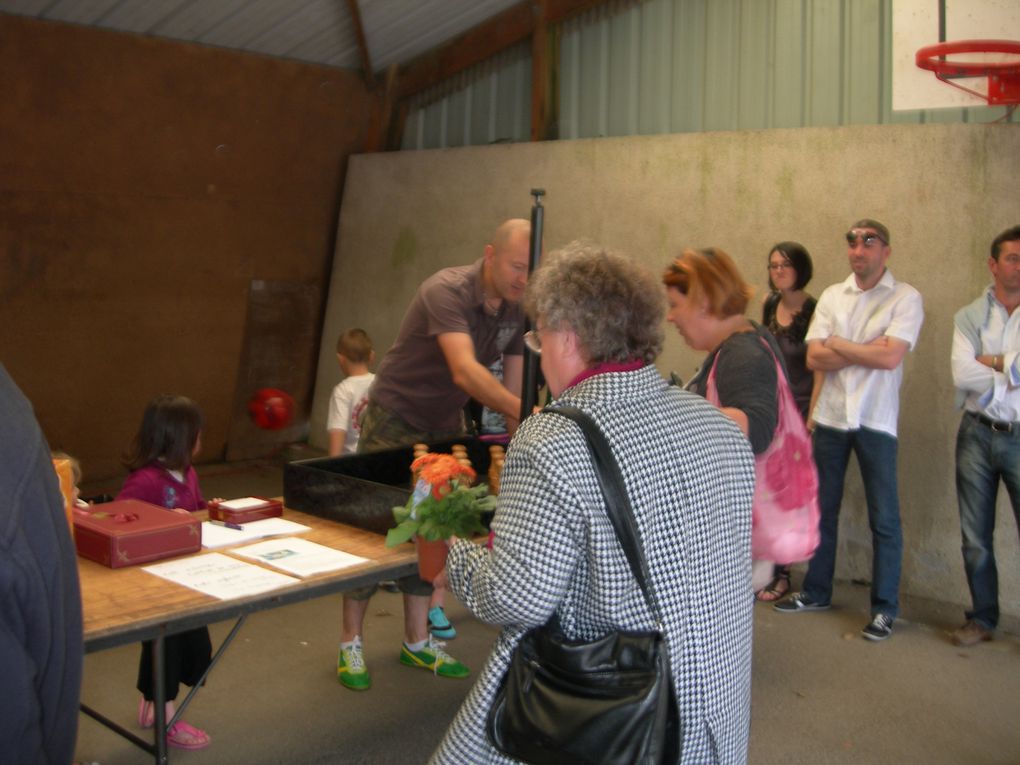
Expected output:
{"points": [[433, 657], [350, 668]]}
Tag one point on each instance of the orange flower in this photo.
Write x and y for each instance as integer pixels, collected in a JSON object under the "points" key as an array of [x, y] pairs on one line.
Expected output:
{"points": [[427, 459], [438, 470]]}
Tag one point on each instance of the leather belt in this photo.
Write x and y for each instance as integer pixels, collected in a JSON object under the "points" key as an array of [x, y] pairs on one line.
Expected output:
{"points": [[997, 425]]}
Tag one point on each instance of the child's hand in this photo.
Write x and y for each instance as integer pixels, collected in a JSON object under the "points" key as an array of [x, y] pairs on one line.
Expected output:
{"points": [[182, 511]]}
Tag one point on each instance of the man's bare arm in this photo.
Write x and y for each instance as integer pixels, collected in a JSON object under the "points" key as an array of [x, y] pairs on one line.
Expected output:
{"points": [[474, 379], [816, 389], [822, 359], [881, 353]]}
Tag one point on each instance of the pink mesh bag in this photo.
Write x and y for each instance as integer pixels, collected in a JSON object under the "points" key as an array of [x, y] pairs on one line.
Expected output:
{"points": [[785, 512]]}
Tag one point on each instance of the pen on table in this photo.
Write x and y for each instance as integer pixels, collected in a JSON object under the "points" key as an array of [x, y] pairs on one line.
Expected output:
{"points": [[228, 524]]}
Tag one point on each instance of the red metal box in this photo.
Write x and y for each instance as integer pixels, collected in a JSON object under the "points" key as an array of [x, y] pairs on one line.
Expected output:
{"points": [[245, 510], [128, 531]]}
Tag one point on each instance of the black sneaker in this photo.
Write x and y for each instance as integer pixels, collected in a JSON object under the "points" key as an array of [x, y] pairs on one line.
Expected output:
{"points": [[799, 601], [879, 628]]}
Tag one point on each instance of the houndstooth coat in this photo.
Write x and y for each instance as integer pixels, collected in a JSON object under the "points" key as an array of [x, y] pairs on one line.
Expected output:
{"points": [[689, 473]]}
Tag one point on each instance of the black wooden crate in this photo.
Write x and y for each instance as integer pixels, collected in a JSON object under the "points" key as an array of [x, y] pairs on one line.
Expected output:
{"points": [[362, 489]]}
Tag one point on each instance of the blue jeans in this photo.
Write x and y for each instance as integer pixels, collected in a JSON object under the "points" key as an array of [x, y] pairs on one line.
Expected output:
{"points": [[983, 456], [876, 455]]}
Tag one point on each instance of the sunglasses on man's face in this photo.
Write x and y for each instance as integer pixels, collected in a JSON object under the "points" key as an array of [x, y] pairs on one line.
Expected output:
{"points": [[867, 238]]}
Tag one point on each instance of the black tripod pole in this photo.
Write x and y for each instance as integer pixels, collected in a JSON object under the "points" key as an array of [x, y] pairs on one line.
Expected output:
{"points": [[529, 383]]}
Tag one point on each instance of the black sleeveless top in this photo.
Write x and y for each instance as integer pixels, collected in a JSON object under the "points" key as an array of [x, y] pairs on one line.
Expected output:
{"points": [[794, 349]]}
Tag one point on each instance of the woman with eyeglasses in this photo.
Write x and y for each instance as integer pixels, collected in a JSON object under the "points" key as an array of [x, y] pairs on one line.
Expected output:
{"points": [[787, 313], [598, 321]]}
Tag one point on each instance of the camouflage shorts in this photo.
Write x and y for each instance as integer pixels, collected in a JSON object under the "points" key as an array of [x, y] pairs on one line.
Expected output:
{"points": [[412, 584], [384, 429]]}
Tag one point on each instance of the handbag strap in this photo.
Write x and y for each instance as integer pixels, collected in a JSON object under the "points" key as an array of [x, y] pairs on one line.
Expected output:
{"points": [[618, 507]]}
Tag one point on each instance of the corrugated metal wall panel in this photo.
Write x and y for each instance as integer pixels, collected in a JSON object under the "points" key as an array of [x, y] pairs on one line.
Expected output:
{"points": [[623, 74], [655, 61], [488, 105], [584, 79], [824, 41], [688, 73], [788, 80], [679, 66], [513, 105], [754, 54], [722, 60], [865, 75]]}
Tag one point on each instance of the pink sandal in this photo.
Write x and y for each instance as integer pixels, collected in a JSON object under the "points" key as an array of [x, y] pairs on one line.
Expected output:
{"points": [[146, 714], [184, 736]]}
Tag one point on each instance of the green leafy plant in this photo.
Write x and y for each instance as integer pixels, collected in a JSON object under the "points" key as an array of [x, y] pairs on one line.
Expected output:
{"points": [[444, 503]]}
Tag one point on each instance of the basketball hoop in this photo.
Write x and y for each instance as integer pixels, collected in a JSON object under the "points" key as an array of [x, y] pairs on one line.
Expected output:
{"points": [[998, 60]]}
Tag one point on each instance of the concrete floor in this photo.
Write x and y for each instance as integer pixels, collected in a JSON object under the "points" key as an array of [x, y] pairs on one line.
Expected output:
{"points": [[821, 693]]}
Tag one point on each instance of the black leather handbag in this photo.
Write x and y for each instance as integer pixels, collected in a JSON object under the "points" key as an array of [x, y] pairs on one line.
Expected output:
{"points": [[609, 700]]}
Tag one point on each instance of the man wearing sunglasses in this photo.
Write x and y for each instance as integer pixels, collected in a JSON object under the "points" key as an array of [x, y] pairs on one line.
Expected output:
{"points": [[862, 329], [986, 372]]}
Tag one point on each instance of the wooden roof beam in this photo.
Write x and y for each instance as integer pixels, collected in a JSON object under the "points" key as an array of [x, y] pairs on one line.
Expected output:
{"points": [[359, 34], [506, 29]]}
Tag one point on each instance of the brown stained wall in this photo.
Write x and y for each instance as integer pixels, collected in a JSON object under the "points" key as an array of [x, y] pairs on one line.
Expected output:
{"points": [[144, 185]]}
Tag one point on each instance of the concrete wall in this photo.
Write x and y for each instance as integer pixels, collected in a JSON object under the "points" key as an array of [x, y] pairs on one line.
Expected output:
{"points": [[167, 222], [943, 190]]}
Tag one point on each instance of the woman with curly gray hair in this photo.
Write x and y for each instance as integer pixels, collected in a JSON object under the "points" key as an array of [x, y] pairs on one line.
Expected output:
{"points": [[614, 307], [689, 476]]}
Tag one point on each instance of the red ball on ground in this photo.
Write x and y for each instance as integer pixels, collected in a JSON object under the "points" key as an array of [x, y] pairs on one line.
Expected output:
{"points": [[271, 408]]}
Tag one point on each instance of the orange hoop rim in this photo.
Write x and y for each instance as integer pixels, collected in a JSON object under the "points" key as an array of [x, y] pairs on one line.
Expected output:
{"points": [[932, 58]]}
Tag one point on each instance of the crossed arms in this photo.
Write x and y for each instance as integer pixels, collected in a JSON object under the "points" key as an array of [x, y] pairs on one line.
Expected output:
{"points": [[835, 353]]}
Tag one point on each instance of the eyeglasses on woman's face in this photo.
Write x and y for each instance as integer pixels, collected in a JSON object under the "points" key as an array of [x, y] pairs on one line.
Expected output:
{"points": [[780, 266]]}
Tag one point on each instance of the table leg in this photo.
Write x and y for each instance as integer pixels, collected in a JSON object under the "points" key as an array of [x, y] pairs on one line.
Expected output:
{"points": [[159, 698], [160, 724]]}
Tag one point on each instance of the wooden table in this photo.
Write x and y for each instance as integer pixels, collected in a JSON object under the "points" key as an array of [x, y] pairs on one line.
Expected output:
{"points": [[128, 605]]}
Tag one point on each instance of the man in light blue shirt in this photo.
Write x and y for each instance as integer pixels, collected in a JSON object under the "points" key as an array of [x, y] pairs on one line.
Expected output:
{"points": [[986, 373]]}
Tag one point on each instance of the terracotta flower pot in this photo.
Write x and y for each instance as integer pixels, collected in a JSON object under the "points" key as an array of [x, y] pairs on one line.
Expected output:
{"points": [[431, 557]]}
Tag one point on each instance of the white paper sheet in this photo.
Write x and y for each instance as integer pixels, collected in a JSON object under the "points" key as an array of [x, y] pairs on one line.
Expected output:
{"points": [[242, 504], [299, 556], [214, 535], [220, 576]]}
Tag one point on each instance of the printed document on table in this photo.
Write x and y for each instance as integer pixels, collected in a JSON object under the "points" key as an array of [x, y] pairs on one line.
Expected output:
{"points": [[220, 576], [299, 556], [214, 535]]}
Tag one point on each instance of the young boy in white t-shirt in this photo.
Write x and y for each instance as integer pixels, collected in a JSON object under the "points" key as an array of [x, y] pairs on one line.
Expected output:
{"points": [[355, 354], [343, 424]]}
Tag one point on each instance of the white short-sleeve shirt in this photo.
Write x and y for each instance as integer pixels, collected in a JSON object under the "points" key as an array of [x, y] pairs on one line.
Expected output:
{"points": [[346, 406], [859, 396]]}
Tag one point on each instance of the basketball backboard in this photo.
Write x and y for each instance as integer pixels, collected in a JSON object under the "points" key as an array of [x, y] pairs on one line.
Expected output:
{"points": [[917, 23]]}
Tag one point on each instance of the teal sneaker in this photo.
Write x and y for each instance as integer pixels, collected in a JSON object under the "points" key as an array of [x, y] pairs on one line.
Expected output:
{"points": [[433, 657], [350, 668], [439, 625]]}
